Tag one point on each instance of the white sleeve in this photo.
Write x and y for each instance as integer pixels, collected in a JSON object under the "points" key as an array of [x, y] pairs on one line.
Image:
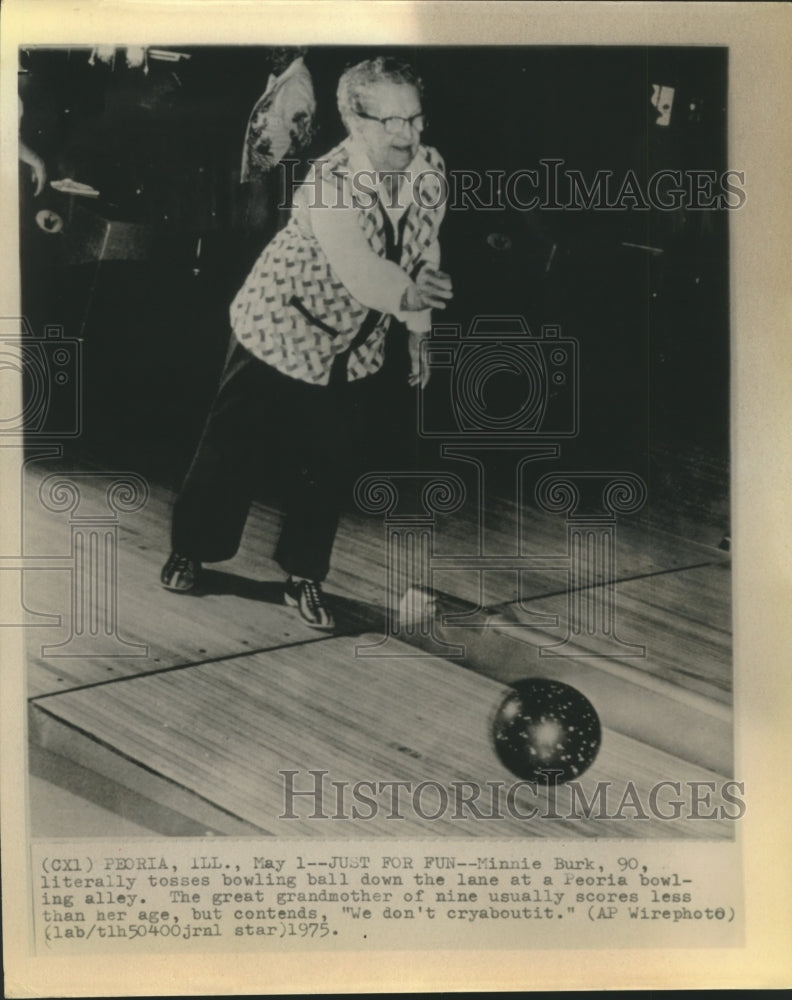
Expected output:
{"points": [[374, 281]]}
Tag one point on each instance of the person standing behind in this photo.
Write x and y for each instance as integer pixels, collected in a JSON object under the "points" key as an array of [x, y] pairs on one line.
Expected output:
{"points": [[361, 246], [280, 126], [282, 118]]}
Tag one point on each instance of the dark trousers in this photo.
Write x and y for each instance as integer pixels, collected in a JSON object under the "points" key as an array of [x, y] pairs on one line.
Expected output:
{"points": [[262, 421]]}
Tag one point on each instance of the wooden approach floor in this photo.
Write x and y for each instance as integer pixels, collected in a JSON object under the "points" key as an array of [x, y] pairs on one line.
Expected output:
{"points": [[227, 687]]}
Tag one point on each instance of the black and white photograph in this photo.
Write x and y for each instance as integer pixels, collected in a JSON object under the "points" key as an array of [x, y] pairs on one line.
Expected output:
{"points": [[370, 450]]}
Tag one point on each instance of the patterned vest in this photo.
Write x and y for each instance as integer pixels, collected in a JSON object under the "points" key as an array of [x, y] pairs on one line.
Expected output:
{"points": [[295, 314]]}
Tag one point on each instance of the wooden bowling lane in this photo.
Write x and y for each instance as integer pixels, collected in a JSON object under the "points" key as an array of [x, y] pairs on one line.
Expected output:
{"points": [[238, 608], [674, 703], [228, 617], [220, 732], [681, 620], [676, 697], [641, 550]]}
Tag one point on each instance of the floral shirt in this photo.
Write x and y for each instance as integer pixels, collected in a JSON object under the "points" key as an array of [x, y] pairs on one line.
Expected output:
{"points": [[281, 121]]}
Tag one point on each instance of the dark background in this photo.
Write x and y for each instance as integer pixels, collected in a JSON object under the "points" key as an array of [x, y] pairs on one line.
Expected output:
{"points": [[164, 149]]}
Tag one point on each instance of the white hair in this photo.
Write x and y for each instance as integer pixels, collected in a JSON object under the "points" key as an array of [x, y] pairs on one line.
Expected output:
{"points": [[357, 79]]}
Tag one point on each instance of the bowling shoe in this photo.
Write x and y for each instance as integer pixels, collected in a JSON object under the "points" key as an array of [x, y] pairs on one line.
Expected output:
{"points": [[179, 573], [307, 597]]}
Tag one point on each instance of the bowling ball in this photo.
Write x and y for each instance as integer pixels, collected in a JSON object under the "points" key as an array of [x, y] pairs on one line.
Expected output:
{"points": [[546, 731]]}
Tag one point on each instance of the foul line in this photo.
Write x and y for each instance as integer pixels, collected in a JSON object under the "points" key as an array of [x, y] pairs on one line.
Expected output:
{"points": [[182, 666]]}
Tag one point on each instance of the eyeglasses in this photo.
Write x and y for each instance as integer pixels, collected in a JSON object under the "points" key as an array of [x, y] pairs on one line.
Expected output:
{"points": [[394, 124]]}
